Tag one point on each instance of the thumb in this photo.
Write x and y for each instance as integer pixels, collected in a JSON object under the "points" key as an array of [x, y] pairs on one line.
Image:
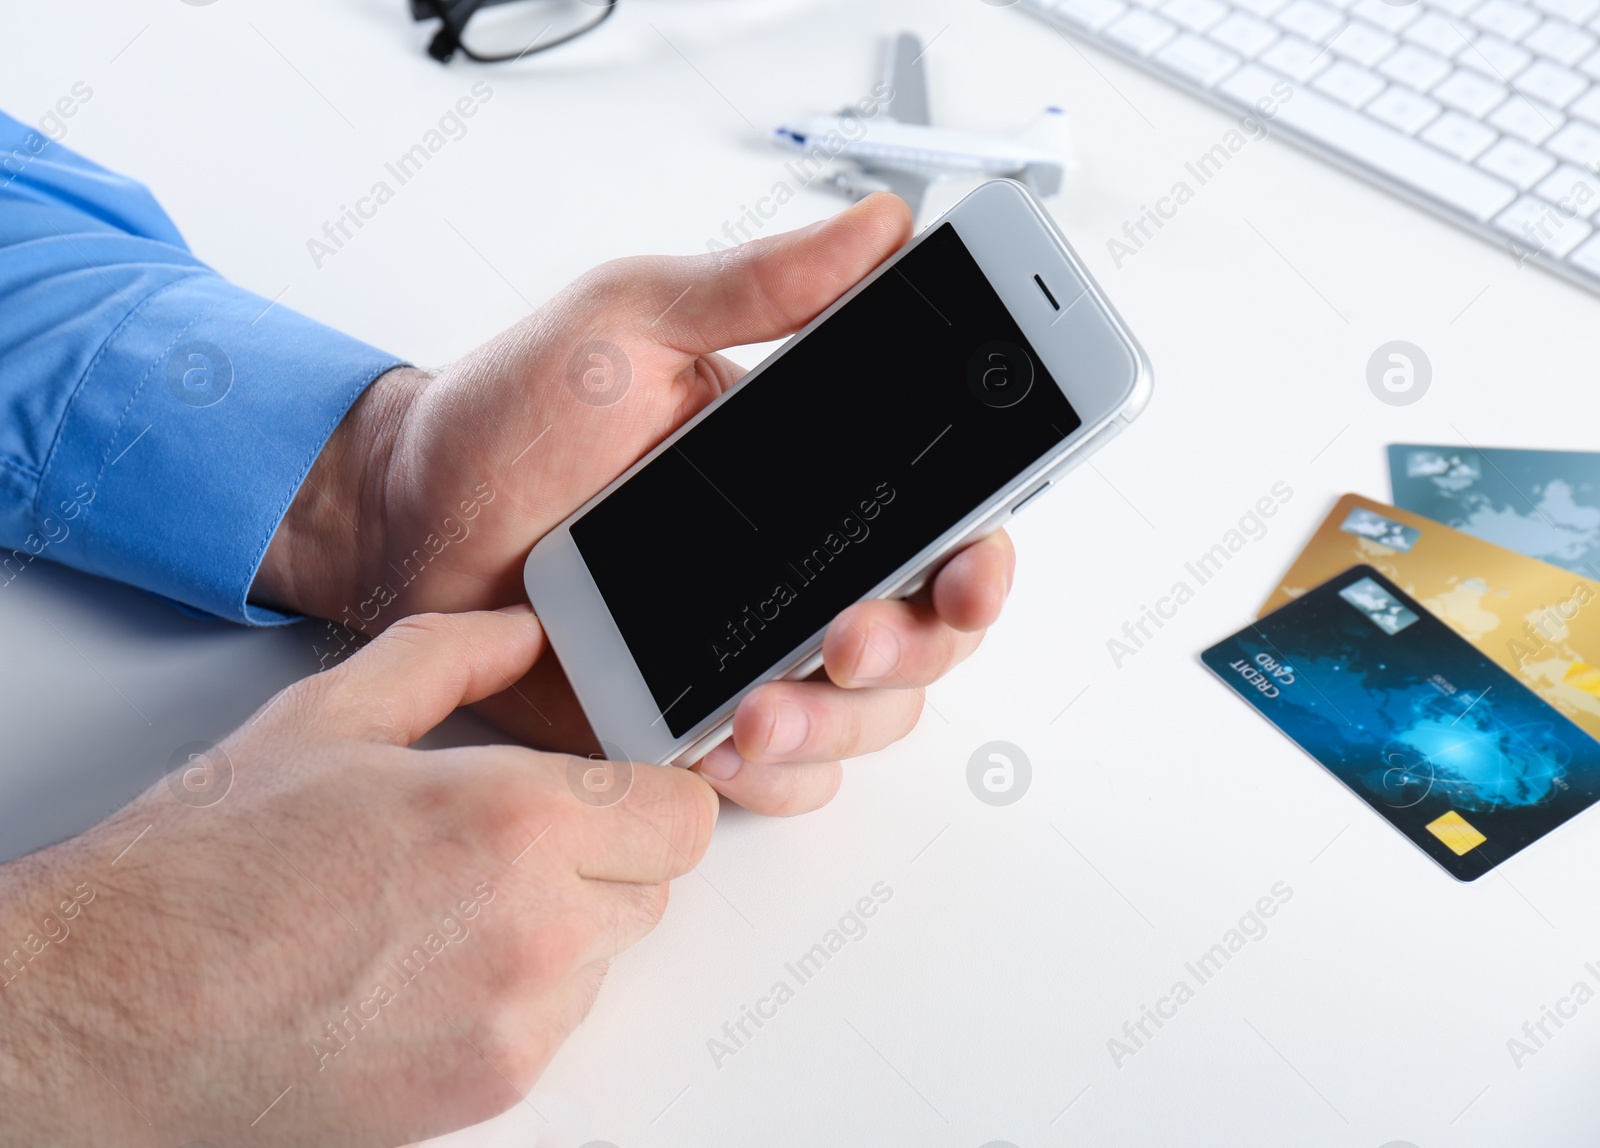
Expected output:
{"points": [[416, 673], [772, 287]]}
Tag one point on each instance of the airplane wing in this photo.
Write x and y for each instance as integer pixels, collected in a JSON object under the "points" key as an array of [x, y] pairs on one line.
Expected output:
{"points": [[907, 80], [908, 103]]}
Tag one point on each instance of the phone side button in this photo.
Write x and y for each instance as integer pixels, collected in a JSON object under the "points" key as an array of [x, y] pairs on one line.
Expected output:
{"points": [[705, 745], [1031, 495]]}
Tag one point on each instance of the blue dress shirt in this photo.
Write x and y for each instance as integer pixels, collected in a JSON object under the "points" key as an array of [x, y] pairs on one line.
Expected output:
{"points": [[158, 420]]}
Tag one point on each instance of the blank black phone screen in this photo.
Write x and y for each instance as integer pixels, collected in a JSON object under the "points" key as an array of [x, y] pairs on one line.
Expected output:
{"points": [[827, 473]]}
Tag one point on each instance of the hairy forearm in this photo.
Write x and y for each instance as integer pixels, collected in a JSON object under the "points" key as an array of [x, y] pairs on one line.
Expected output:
{"points": [[328, 544]]}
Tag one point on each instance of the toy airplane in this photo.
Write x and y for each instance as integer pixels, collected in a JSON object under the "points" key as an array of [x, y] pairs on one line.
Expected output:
{"points": [[892, 146]]}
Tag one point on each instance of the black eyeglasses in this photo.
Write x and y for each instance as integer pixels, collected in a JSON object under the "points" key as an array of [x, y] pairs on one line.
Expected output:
{"points": [[491, 31]]}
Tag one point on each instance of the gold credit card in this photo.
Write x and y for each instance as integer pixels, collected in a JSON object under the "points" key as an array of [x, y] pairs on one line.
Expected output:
{"points": [[1538, 622]]}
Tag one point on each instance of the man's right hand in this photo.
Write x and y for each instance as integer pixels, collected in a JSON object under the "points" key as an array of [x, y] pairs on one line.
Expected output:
{"points": [[317, 935]]}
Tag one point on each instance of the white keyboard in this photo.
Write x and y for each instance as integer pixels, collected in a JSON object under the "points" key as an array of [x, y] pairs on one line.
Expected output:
{"points": [[1485, 111]]}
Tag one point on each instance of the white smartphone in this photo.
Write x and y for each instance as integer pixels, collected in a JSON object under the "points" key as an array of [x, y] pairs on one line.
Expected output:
{"points": [[931, 402]]}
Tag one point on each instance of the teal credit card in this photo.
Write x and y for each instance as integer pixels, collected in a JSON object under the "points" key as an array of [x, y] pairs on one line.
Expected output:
{"points": [[1450, 749], [1542, 503]]}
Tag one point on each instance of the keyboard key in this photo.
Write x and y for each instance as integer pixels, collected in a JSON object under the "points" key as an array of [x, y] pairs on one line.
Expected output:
{"points": [[1572, 11], [1576, 143], [1245, 35], [1265, 8], [1495, 58], [1091, 15], [1572, 189], [1195, 15], [1528, 121], [1470, 93], [1503, 18], [1415, 67], [1404, 109], [1202, 62], [1587, 257], [1349, 84], [1295, 58], [1141, 31], [1453, 9], [1377, 146], [1363, 43], [1542, 227], [1390, 17], [1551, 83], [1313, 21], [1586, 106], [1591, 66], [1560, 41], [1463, 138], [1437, 34], [1516, 163]]}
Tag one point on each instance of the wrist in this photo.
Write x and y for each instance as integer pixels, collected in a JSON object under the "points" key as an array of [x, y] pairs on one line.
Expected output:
{"points": [[332, 538]]}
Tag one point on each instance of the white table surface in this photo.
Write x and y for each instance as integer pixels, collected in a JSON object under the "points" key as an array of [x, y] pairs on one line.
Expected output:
{"points": [[1018, 941]]}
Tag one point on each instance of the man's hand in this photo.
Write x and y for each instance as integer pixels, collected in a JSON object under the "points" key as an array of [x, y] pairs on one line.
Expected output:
{"points": [[316, 935], [434, 488]]}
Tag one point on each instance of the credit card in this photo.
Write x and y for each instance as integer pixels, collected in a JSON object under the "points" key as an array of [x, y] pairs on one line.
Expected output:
{"points": [[1540, 623], [1453, 751], [1542, 503]]}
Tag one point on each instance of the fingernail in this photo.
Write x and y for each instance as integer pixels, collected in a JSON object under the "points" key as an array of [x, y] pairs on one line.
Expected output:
{"points": [[791, 725], [722, 763], [880, 654], [516, 608]]}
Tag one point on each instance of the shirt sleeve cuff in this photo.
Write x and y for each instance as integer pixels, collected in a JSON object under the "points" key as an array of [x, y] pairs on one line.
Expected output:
{"points": [[188, 437]]}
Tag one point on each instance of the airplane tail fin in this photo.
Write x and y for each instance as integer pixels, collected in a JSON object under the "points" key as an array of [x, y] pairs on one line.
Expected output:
{"points": [[1050, 132]]}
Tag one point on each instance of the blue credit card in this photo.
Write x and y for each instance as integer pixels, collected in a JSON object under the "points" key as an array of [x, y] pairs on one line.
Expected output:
{"points": [[1542, 503], [1457, 754]]}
